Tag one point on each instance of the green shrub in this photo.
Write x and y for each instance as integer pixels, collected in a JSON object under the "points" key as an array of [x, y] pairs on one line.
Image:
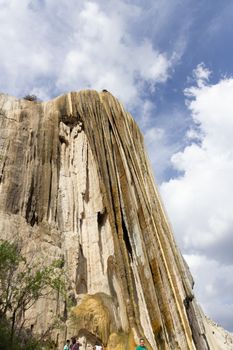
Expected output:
{"points": [[21, 285]]}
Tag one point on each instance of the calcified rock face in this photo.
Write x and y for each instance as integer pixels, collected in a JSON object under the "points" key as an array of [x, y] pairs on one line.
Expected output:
{"points": [[75, 182]]}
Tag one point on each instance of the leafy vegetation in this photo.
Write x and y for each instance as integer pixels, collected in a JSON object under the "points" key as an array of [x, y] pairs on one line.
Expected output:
{"points": [[32, 98], [21, 286]]}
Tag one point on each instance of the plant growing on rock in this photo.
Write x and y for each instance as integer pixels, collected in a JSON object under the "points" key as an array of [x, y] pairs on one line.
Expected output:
{"points": [[32, 98], [23, 284]]}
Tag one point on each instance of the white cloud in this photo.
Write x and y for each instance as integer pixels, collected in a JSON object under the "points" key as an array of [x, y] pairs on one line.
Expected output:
{"points": [[214, 287], [202, 74], [105, 56], [200, 201], [160, 150], [69, 46], [160, 139], [24, 55]]}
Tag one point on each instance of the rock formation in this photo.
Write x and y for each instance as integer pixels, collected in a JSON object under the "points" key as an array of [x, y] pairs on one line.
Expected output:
{"points": [[75, 182]]}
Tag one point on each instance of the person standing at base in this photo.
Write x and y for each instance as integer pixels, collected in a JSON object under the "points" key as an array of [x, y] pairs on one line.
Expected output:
{"points": [[142, 345], [67, 345], [74, 344]]}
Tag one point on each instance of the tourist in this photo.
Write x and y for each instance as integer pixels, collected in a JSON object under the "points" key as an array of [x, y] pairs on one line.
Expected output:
{"points": [[67, 345], [74, 345], [141, 345]]}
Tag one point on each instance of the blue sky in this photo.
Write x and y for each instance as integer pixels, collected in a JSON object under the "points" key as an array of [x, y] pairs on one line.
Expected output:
{"points": [[171, 63]]}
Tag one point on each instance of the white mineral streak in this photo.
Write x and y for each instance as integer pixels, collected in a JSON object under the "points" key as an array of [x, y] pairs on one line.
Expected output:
{"points": [[75, 183], [78, 214], [144, 316]]}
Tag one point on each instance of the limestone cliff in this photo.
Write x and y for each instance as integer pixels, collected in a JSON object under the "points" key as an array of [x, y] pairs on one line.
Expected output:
{"points": [[75, 182]]}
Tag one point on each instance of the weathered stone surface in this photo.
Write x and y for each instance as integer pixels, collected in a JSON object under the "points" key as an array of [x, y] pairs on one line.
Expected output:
{"points": [[75, 183]]}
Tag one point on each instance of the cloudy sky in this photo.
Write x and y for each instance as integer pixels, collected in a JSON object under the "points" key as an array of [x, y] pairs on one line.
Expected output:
{"points": [[171, 63]]}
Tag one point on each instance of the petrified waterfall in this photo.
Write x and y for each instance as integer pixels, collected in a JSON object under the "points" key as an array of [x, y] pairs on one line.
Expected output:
{"points": [[75, 182]]}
